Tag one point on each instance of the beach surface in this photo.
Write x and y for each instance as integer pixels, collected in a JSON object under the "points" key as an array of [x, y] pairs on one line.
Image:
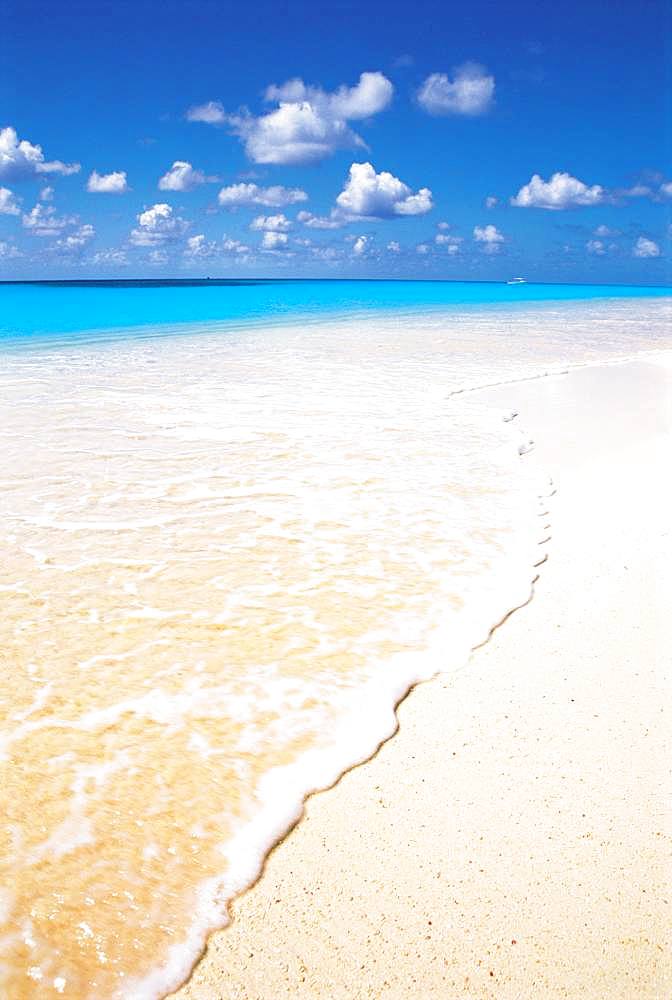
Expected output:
{"points": [[513, 839]]}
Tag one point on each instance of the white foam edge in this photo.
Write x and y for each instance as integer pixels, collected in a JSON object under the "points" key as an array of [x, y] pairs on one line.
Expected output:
{"points": [[282, 791]]}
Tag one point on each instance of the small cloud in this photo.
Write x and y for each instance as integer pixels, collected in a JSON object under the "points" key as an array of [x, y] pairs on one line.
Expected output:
{"points": [[604, 232], [110, 258], [491, 201], [423, 248], [451, 243], [645, 248], [75, 242], [157, 226], [9, 203], [360, 246], [368, 195], [114, 183], [560, 192], [251, 194], [181, 177], [8, 251], [271, 223], [211, 113], [274, 241], [393, 247], [47, 193], [20, 158], [489, 236], [596, 247], [320, 221], [471, 92], [666, 189], [43, 221]]}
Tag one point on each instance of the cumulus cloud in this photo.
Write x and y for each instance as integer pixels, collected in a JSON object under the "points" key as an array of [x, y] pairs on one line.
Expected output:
{"points": [[489, 236], [271, 223], [491, 201], [75, 242], [423, 248], [596, 247], [199, 248], [645, 248], [394, 247], [20, 158], [43, 221], [251, 194], [8, 251], [110, 258], [666, 189], [451, 243], [211, 113], [604, 231], [368, 195], [9, 203], [47, 193], [470, 92], [360, 246], [157, 226], [181, 177], [320, 221], [233, 246], [113, 183], [309, 123], [274, 241], [561, 191]]}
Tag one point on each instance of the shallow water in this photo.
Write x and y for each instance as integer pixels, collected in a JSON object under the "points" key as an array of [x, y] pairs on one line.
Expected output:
{"points": [[225, 556]]}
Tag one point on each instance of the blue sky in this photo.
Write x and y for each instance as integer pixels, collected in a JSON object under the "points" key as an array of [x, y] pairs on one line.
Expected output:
{"points": [[475, 141]]}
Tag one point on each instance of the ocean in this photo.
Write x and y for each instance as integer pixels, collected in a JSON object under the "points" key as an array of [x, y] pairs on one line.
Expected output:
{"points": [[239, 521]]}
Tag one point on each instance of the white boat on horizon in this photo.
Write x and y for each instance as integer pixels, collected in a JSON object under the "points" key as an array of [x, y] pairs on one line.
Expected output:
{"points": [[517, 281]]}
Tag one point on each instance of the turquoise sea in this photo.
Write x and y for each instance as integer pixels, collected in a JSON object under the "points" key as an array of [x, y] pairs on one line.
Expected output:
{"points": [[47, 309]]}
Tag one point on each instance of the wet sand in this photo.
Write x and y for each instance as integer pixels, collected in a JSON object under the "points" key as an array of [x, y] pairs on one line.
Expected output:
{"points": [[513, 839]]}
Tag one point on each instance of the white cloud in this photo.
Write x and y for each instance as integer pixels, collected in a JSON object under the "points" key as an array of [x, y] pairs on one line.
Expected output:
{"points": [[199, 248], [8, 252], [604, 232], [451, 243], [156, 226], [368, 195], [360, 246], [393, 247], [181, 177], [43, 221], [110, 258], [645, 248], [9, 204], [320, 221], [310, 123], [469, 93], [491, 201], [47, 193], [251, 194], [271, 223], [666, 189], [234, 246], [596, 247], [212, 113], [561, 191], [274, 241], [113, 183], [19, 158], [489, 236], [423, 248], [75, 242], [157, 257]]}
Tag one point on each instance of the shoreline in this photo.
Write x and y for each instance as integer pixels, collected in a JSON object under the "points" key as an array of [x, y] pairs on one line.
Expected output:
{"points": [[310, 929]]}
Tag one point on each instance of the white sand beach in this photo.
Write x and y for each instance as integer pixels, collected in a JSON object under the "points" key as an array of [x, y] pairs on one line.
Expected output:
{"points": [[513, 839]]}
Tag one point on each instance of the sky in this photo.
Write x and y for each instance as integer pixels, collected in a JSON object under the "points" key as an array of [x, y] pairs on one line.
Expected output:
{"points": [[477, 141]]}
